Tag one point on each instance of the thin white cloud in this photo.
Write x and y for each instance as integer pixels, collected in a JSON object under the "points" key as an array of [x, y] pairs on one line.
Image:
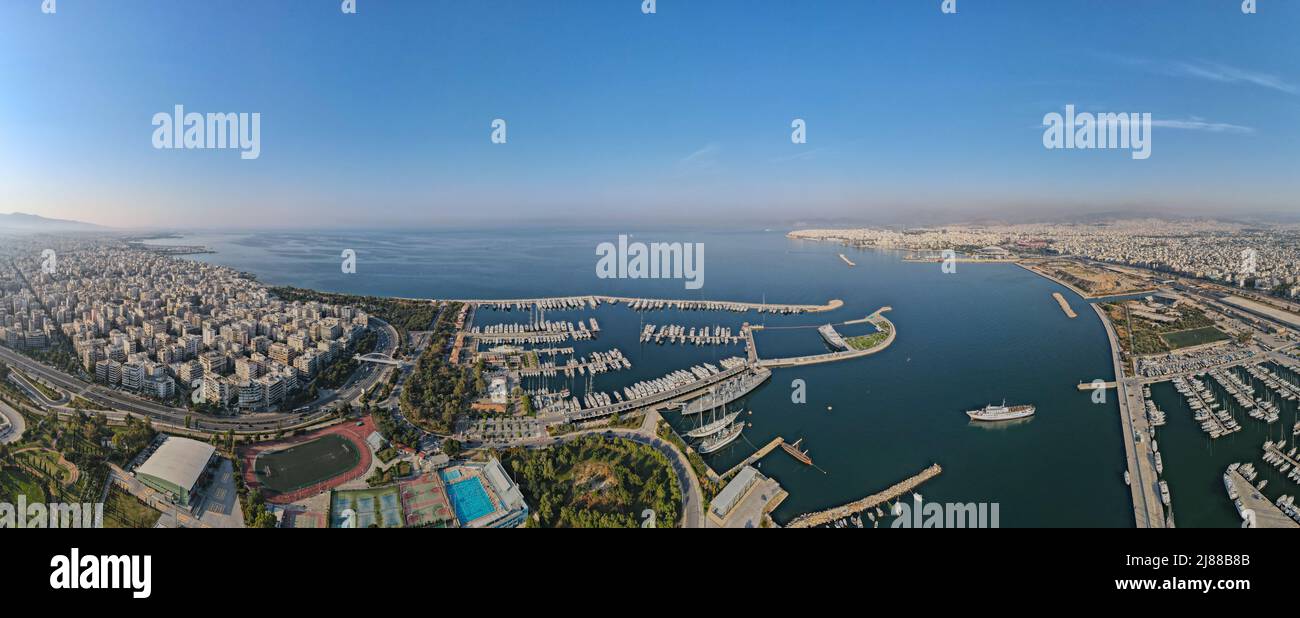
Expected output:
{"points": [[1198, 124], [799, 156], [704, 159], [1230, 75], [1211, 71]]}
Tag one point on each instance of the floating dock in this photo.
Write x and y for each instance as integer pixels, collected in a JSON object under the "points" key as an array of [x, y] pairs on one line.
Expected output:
{"points": [[820, 518]]}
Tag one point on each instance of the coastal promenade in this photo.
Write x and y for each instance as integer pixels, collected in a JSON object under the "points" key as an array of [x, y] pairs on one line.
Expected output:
{"points": [[1144, 484]]}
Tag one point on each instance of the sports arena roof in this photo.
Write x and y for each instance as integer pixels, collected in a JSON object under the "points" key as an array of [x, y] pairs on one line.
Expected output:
{"points": [[179, 461]]}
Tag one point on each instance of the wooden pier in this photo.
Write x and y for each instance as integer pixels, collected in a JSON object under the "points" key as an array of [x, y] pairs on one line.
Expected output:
{"points": [[752, 459], [820, 518]]}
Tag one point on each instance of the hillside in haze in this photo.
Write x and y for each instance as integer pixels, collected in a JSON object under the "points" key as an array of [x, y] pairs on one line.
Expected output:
{"points": [[23, 222]]}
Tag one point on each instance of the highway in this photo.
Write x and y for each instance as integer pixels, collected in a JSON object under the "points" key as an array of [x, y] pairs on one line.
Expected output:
{"points": [[365, 377]]}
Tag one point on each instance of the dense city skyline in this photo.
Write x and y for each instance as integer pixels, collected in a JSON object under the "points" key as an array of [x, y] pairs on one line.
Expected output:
{"points": [[621, 116]]}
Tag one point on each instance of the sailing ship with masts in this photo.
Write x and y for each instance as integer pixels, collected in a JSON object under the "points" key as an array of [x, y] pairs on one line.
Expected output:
{"points": [[793, 450], [721, 439], [714, 425], [729, 390]]}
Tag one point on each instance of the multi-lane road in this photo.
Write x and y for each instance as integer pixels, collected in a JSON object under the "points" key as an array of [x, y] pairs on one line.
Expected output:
{"points": [[123, 403]]}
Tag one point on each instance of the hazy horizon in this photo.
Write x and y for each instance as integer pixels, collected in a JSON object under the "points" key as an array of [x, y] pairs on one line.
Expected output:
{"points": [[382, 119]]}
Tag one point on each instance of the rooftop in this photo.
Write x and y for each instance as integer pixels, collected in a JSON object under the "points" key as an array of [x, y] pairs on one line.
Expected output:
{"points": [[179, 461]]}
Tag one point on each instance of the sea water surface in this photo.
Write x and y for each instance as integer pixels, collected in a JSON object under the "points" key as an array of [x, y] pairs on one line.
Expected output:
{"points": [[985, 333]]}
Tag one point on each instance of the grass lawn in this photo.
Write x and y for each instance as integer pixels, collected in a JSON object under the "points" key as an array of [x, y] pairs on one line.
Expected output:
{"points": [[46, 460], [15, 482], [124, 511]]}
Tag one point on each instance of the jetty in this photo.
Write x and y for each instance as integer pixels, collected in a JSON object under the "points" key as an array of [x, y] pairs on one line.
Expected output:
{"points": [[1247, 498], [821, 518], [1065, 305], [593, 301], [1087, 386], [882, 324], [753, 459]]}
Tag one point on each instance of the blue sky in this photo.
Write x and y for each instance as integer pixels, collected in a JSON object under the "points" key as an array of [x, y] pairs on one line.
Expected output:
{"points": [[382, 118]]}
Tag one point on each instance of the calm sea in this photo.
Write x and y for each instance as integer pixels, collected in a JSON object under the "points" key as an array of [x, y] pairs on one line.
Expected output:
{"points": [[983, 334]]}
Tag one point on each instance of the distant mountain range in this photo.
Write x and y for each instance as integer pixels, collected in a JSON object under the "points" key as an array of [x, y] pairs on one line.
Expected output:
{"points": [[23, 222]]}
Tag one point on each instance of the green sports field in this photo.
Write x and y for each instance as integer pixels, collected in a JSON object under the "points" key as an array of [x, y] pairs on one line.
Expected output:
{"points": [[306, 464], [1194, 336]]}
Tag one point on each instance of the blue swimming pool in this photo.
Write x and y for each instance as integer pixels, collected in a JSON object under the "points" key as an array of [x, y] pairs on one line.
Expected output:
{"points": [[469, 499]]}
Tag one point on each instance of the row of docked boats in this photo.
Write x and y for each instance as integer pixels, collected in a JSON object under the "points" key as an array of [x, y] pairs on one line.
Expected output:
{"points": [[1284, 389], [596, 363], [1214, 420], [704, 335], [1285, 461], [1287, 505], [571, 302], [1155, 416], [645, 304]]}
